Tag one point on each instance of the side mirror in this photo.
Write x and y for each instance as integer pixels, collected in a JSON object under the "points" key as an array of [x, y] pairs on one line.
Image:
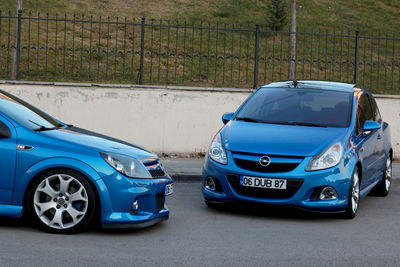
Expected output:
{"points": [[4, 131], [227, 117], [370, 126]]}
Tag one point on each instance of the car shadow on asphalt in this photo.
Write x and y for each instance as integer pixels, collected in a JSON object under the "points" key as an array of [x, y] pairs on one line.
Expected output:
{"points": [[123, 231], [263, 211], [7, 222], [283, 212]]}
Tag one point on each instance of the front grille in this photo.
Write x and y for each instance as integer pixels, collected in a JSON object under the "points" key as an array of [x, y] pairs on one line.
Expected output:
{"points": [[154, 167], [160, 200], [272, 167], [157, 173], [293, 186]]}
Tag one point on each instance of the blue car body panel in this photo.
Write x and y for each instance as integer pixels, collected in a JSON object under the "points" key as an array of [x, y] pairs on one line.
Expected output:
{"points": [[279, 139], [79, 150], [299, 144]]}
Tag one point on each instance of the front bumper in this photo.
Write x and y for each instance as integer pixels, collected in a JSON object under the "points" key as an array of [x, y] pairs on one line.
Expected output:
{"points": [[139, 225], [303, 197], [118, 193]]}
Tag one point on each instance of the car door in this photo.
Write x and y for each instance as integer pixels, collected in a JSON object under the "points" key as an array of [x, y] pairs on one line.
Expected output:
{"points": [[366, 142], [379, 148], [8, 143]]}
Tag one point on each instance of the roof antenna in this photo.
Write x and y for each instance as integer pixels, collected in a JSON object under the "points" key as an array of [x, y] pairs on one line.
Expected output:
{"points": [[294, 83]]}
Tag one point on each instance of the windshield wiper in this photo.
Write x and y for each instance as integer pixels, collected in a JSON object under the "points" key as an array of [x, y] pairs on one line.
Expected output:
{"points": [[247, 119], [299, 123], [292, 123], [44, 128]]}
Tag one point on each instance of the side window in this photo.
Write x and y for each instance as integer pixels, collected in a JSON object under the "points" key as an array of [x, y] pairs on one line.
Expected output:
{"points": [[4, 131], [375, 110], [364, 112]]}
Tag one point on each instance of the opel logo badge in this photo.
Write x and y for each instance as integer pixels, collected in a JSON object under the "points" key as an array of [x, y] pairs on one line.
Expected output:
{"points": [[265, 161]]}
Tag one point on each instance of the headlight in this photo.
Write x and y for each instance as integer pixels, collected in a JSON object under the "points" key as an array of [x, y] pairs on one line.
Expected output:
{"points": [[128, 166], [216, 150], [327, 159]]}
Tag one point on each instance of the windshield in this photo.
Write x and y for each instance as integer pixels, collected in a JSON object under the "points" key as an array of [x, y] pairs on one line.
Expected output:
{"points": [[25, 114], [308, 107]]}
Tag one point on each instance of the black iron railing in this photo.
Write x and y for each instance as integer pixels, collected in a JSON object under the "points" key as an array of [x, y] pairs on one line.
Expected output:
{"points": [[140, 51]]}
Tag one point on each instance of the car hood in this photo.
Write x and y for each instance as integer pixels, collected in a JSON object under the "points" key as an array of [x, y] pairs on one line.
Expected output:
{"points": [[92, 140], [276, 139]]}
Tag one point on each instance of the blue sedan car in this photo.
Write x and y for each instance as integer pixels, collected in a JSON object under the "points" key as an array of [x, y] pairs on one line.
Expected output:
{"points": [[64, 177], [319, 146]]}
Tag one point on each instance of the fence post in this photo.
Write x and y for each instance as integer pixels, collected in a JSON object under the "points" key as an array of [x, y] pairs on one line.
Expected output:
{"points": [[256, 56], [17, 52], [356, 56], [142, 51]]}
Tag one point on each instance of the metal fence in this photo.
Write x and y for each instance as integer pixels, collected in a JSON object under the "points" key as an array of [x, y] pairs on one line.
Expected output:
{"points": [[140, 51]]}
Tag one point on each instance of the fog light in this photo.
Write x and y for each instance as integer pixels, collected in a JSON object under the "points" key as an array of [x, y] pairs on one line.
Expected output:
{"points": [[328, 193], [135, 207], [210, 184]]}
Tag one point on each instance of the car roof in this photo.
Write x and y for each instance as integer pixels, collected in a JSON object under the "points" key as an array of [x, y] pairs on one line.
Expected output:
{"points": [[324, 85]]}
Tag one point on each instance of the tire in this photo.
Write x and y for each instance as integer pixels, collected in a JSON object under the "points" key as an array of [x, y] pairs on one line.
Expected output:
{"points": [[61, 201], [383, 187], [353, 196]]}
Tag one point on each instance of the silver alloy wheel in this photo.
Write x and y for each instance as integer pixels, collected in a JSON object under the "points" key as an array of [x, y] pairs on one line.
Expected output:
{"points": [[60, 201], [388, 173], [355, 192]]}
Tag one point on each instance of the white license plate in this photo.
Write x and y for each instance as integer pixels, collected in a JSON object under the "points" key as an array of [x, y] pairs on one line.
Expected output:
{"points": [[263, 182], [169, 189]]}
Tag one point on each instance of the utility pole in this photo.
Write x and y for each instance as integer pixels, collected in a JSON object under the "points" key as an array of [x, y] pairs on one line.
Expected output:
{"points": [[293, 29], [15, 60]]}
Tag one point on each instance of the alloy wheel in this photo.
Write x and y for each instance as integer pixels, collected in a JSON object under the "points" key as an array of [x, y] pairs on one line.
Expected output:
{"points": [[355, 193], [388, 174], [60, 201]]}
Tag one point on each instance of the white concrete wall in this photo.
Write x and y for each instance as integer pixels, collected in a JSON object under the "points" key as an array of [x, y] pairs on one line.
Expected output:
{"points": [[160, 118]]}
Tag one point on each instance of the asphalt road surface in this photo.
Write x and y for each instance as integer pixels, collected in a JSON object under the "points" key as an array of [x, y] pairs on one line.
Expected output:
{"points": [[196, 235]]}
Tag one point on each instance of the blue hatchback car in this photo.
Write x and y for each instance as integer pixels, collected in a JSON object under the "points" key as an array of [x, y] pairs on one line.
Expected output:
{"points": [[64, 177], [319, 146]]}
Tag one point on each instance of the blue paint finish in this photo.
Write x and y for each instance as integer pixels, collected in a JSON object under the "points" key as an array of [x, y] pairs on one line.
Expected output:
{"points": [[6, 195], [10, 211], [79, 150], [287, 144], [7, 161], [289, 140]]}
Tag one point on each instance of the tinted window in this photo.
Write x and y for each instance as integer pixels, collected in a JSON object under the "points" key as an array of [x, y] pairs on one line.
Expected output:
{"points": [[364, 112], [375, 110], [299, 106], [23, 113]]}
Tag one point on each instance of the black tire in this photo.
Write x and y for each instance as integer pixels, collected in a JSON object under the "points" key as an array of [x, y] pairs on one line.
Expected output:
{"points": [[383, 187], [75, 207], [353, 197]]}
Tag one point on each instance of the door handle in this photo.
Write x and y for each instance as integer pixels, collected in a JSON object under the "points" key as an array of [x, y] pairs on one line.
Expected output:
{"points": [[23, 147], [362, 149], [379, 137]]}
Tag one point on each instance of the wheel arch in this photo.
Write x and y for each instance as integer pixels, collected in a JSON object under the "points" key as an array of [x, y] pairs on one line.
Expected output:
{"points": [[103, 198], [91, 183], [359, 169]]}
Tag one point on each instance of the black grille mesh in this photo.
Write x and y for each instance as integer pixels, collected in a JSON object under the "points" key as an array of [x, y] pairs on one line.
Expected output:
{"points": [[273, 167], [157, 173], [160, 200]]}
